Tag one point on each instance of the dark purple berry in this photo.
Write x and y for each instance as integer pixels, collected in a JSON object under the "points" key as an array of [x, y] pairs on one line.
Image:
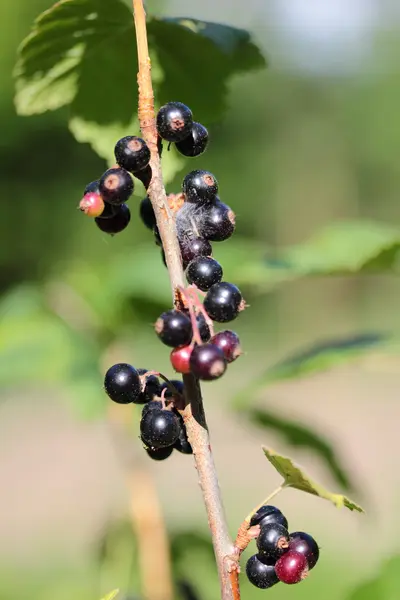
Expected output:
{"points": [[228, 341], [268, 514], [174, 328], [192, 248], [116, 185], [304, 543], [195, 143], [145, 176], [151, 388], [292, 567], [207, 362], [159, 428], [223, 301], [92, 187], [152, 405], [218, 223], [260, 574], [204, 329], [200, 187], [182, 444], [132, 153], [174, 121], [204, 271], [178, 385], [147, 213], [117, 222], [122, 383], [273, 540], [159, 453]]}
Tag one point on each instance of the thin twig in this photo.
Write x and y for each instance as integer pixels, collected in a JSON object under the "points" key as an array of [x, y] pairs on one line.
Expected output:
{"points": [[193, 413]]}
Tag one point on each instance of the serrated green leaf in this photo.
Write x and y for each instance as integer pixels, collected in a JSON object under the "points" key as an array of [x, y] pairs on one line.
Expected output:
{"points": [[111, 595], [82, 53], [294, 476], [301, 436]]}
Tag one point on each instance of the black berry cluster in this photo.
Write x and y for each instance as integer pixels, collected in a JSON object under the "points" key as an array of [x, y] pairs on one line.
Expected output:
{"points": [[282, 556], [161, 427]]}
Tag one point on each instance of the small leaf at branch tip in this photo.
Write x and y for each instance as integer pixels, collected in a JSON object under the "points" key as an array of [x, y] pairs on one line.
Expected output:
{"points": [[295, 477]]}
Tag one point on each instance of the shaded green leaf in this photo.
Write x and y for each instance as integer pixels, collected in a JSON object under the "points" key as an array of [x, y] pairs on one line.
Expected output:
{"points": [[82, 54], [385, 585], [294, 476], [299, 435]]}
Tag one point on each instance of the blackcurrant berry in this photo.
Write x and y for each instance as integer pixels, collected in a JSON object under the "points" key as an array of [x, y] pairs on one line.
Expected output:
{"points": [[207, 362], [152, 387], [116, 186], [117, 222], [218, 223], [159, 428], [273, 540], [174, 328], [192, 248], [182, 444], [145, 176], [223, 301], [180, 358], [268, 514], [93, 186], [122, 383], [305, 544], [260, 574], [92, 204], [178, 385], [147, 213], [203, 328], [200, 187], [152, 405], [132, 153], [204, 271], [159, 453], [291, 567], [229, 343], [110, 210], [195, 143], [174, 121]]}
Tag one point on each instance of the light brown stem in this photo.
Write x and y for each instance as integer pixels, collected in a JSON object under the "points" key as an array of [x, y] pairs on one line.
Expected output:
{"points": [[193, 413]]}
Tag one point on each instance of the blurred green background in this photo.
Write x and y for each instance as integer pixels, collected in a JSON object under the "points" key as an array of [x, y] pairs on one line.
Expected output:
{"points": [[312, 142]]}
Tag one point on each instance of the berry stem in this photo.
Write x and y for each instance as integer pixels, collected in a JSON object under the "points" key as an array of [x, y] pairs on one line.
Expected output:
{"points": [[193, 413]]}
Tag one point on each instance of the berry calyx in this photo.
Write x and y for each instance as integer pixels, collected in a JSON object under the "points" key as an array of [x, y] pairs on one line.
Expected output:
{"points": [[273, 540], [195, 143], [147, 213], [122, 383], [159, 428], [116, 185], [150, 387], [132, 153], [228, 341], [174, 121], [92, 204], [304, 543], [192, 248], [117, 222], [223, 302], [200, 187], [180, 359], [203, 272], [268, 514], [260, 574], [160, 453], [218, 224], [174, 328], [292, 567], [207, 362]]}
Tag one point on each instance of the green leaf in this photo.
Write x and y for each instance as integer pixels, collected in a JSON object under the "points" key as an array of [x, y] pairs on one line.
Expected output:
{"points": [[385, 585], [341, 248], [300, 436], [111, 595], [82, 54], [294, 476]]}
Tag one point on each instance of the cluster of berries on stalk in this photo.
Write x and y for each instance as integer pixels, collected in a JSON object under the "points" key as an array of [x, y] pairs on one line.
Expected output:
{"points": [[282, 556]]}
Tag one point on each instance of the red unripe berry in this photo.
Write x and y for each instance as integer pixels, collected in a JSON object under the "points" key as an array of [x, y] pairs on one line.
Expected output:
{"points": [[92, 204], [180, 359], [292, 567]]}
